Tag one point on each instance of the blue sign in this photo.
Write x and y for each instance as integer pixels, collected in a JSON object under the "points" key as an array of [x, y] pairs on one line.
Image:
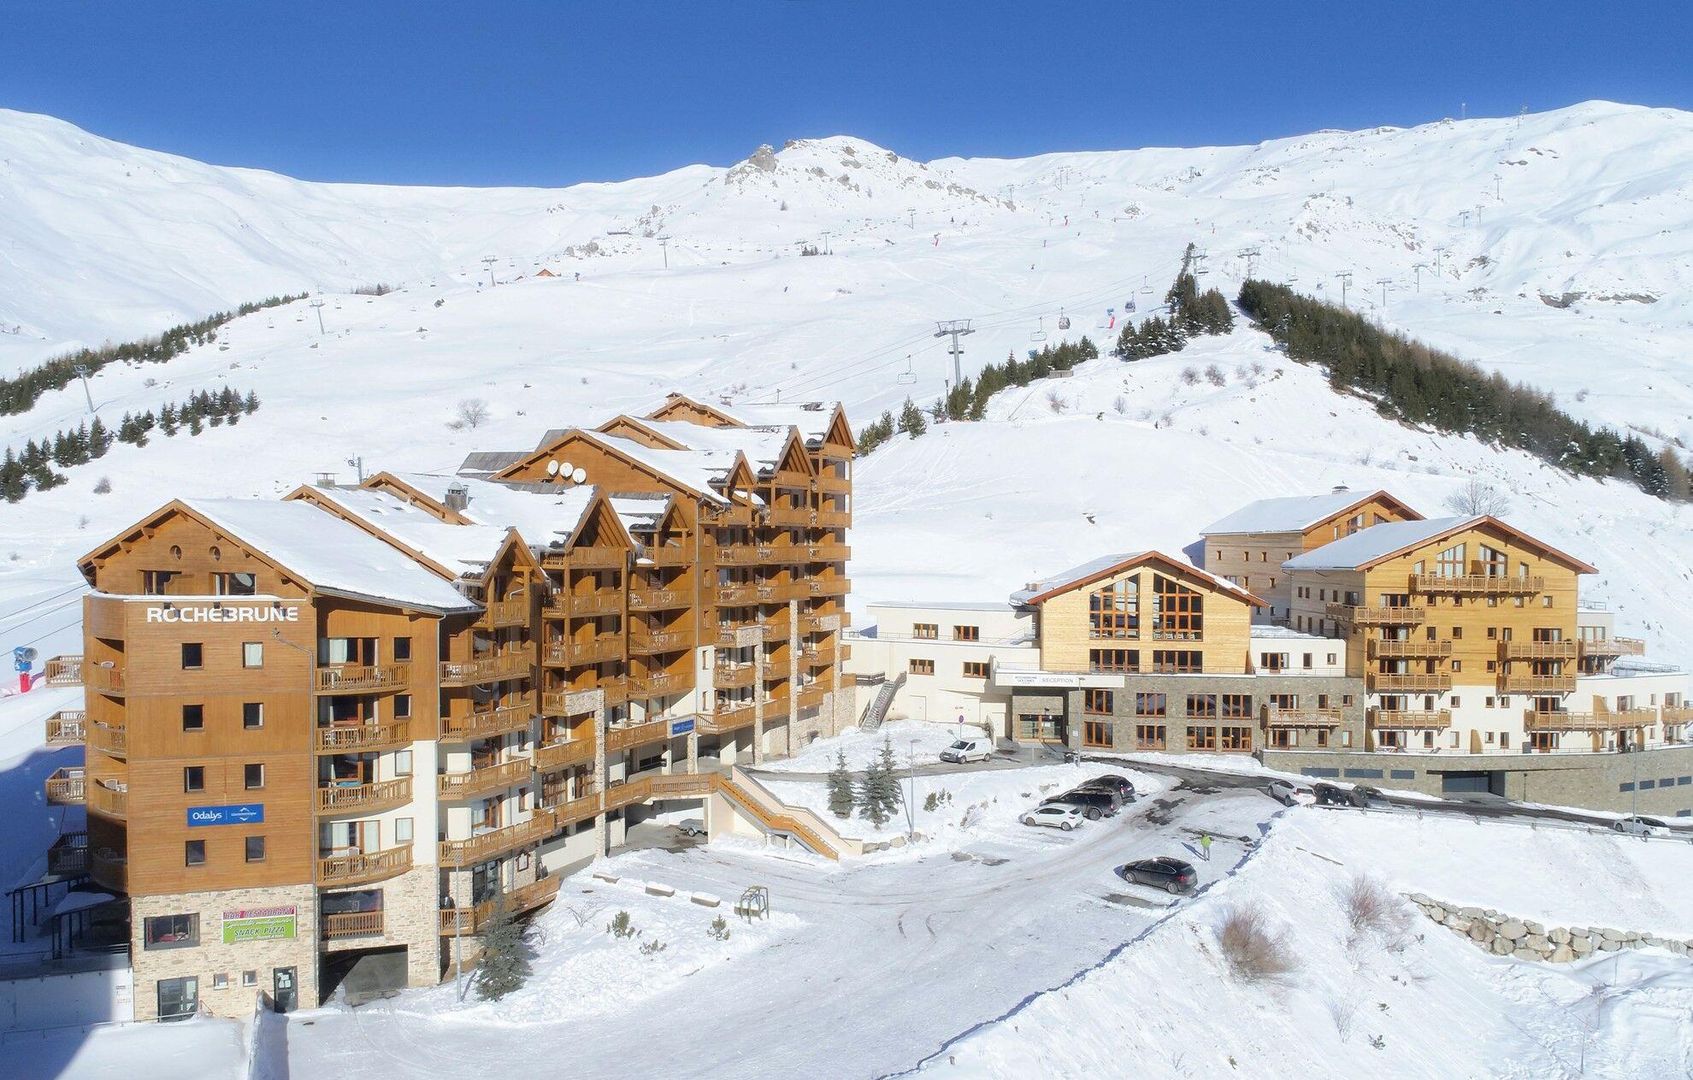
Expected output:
{"points": [[681, 727], [239, 814]]}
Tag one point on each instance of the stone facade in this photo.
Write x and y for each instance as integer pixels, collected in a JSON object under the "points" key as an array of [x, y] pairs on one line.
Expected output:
{"points": [[212, 961], [1526, 939]]}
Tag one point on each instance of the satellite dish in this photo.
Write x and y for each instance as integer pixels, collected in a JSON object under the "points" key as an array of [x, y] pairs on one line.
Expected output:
{"points": [[552, 468], [565, 469], [580, 475]]}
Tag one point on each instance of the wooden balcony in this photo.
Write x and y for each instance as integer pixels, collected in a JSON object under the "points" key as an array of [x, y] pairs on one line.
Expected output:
{"points": [[481, 781], [461, 853], [659, 599], [812, 623], [1678, 714], [828, 552], [1311, 717], [792, 515], [615, 688], [356, 678], [109, 869], [1559, 720], [1478, 584], [363, 798], [524, 898], [632, 735], [582, 808], [835, 485], [730, 676], [67, 727], [645, 644], [1413, 649], [588, 558], [505, 613], [726, 719], [576, 652], [735, 555], [840, 586], [810, 697], [487, 723], [1538, 650], [563, 755], [352, 924], [661, 684], [820, 656], [1616, 646], [361, 736], [639, 789], [109, 739], [666, 555], [1410, 719], [737, 595], [1367, 615], [68, 857], [67, 787], [357, 867], [111, 802], [591, 605], [63, 671], [834, 519], [102, 678], [1514, 683], [1413, 682], [512, 665]]}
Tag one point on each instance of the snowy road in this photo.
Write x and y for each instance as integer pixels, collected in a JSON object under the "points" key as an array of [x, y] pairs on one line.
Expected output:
{"points": [[896, 958]]}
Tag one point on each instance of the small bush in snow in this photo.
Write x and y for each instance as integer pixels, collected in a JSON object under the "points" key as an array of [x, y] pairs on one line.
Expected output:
{"points": [[1121, 404], [652, 948], [1214, 375], [1253, 949], [470, 413], [1372, 907], [103, 486], [719, 929], [620, 926], [1190, 376], [1055, 400]]}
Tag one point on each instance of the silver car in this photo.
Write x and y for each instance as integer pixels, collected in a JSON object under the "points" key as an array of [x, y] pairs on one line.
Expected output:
{"points": [[1054, 815]]}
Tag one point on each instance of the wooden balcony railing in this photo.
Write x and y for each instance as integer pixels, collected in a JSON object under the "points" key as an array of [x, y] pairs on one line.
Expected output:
{"points": [[665, 555], [1678, 714], [483, 780], [583, 605], [829, 552], [355, 867], [734, 555], [353, 678], [839, 485], [562, 755], [1366, 615], [1538, 650], [67, 787], [353, 924], [1478, 584], [363, 798], [505, 613], [524, 898], [103, 678], [727, 718], [68, 857], [661, 684], [112, 802], [810, 697], [834, 519], [110, 739], [1614, 646], [63, 671], [730, 676], [571, 652], [512, 665], [584, 806], [67, 727], [109, 869], [361, 736], [793, 515], [1559, 720], [631, 735], [1410, 719], [1515, 683], [1413, 649], [737, 595], [589, 558], [1414, 682], [812, 622], [486, 723], [645, 644], [659, 599], [476, 849], [1306, 717]]}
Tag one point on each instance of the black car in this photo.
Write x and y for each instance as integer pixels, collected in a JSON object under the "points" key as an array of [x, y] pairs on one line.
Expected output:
{"points": [[1171, 875], [1119, 785], [1093, 804], [1330, 795], [1364, 797]]}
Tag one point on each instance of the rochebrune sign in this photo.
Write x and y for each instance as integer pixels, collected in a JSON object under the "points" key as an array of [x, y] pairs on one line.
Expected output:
{"points": [[224, 613]]}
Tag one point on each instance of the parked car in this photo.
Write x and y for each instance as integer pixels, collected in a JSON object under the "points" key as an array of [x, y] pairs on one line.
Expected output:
{"points": [[1093, 804], [1642, 826], [1329, 795], [1289, 793], [965, 750], [1124, 790], [1053, 815], [692, 826], [1171, 875], [1364, 796]]}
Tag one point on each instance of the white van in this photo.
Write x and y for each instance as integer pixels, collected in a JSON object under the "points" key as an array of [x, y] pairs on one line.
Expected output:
{"points": [[963, 750]]}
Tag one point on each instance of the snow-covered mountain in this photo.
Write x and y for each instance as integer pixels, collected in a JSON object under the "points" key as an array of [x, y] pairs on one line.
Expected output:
{"points": [[1554, 247]]}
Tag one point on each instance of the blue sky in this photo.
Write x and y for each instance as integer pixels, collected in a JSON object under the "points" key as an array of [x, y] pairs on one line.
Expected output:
{"points": [[552, 93]]}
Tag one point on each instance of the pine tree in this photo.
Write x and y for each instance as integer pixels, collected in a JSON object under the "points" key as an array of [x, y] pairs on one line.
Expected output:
{"points": [[99, 439], [840, 785], [167, 419], [505, 957], [251, 405], [879, 796], [194, 424], [14, 484], [911, 420]]}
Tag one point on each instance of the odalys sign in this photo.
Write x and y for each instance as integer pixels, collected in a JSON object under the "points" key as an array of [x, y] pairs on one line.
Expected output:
{"points": [[250, 813], [260, 924], [220, 611]]}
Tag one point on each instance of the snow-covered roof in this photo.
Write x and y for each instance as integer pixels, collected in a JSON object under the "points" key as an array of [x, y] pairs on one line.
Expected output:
{"points": [[761, 445], [1367, 545], [639, 511], [695, 470], [463, 549], [542, 514], [333, 555], [1279, 632], [1106, 565], [1290, 514]]}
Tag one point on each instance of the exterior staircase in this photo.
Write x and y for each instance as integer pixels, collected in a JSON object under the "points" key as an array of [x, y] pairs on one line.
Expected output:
{"points": [[877, 710], [755, 802]]}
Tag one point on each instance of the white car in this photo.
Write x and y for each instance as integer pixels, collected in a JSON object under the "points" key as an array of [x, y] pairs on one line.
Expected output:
{"points": [[1289, 793], [1641, 826], [1054, 815], [691, 826], [965, 750]]}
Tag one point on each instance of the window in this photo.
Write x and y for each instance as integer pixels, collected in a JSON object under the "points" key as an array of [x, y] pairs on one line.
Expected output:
{"points": [[193, 718], [402, 706], [234, 584], [1450, 563], [156, 582], [966, 633], [254, 775], [1237, 706], [1457, 633], [252, 654], [1202, 706], [255, 849], [1150, 705], [926, 630], [922, 667], [975, 669], [1238, 739], [402, 763], [220, 980], [178, 998], [1127, 660], [1176, 661], [194, 853], [1546, 600], [1333, 659], [1114, 611], [249, 978], [1457, 666], [402, 830], [252, 714], [192, 655], [1307, 664], [194, 778], [402, 649], [1099, 702], [1202, 738], [1150, 736], [171, 932], [1178, 612], [1096, 733]]}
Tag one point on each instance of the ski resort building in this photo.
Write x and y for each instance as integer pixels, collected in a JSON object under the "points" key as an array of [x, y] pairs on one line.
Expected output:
{"points": [[326, 732]]}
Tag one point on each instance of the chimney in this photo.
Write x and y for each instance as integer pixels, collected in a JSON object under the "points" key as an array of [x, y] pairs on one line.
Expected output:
{"points": [[458, 497]]}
